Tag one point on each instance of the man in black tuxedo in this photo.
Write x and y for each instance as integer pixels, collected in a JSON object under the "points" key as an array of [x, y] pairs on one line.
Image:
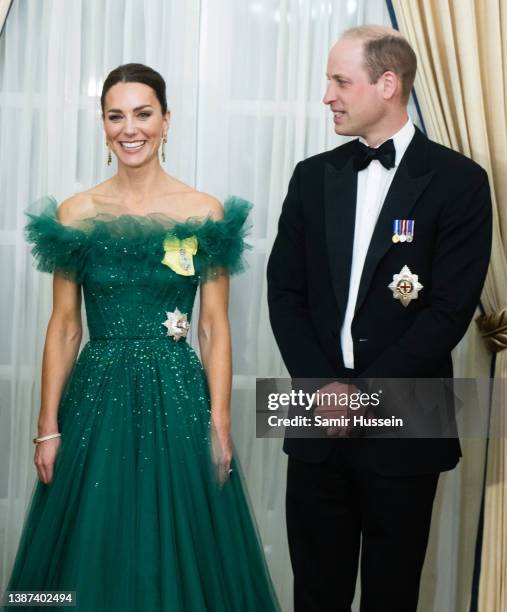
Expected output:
{"points": [[353, 218]]}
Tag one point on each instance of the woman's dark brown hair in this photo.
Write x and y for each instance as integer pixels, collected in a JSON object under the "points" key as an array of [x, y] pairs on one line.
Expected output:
{"points": [[136, 73]]}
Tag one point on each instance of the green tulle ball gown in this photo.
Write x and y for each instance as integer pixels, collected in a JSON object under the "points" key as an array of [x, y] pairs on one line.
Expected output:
{"points": [[134, 519]]}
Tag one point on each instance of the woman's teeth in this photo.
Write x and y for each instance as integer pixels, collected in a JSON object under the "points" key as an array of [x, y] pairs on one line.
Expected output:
{"points": [[133, 146]]}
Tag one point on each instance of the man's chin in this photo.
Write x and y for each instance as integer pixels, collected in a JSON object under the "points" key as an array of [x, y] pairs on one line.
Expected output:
{"points": [[343, 130]]}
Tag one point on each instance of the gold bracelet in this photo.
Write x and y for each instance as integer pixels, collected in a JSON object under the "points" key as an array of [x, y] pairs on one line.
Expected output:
{"points": [[43, 438]]}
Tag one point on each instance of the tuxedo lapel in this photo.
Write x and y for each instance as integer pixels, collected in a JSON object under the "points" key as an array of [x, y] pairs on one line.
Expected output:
{"points": [[409, 183], [340, 189]]}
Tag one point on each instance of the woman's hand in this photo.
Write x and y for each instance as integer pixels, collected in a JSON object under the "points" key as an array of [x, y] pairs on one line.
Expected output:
{"points": [[45, 456], [221, 445]]}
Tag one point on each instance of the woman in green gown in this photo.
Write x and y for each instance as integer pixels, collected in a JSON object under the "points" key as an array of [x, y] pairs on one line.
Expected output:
{"points": [[139, 504]]}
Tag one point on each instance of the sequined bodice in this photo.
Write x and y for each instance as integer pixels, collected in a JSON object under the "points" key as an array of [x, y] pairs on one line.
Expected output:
{"points": [[129, 279], [130, 297]]}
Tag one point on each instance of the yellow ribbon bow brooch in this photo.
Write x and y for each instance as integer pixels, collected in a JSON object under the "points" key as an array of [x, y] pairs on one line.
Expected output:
{"points": [[179, 254]]}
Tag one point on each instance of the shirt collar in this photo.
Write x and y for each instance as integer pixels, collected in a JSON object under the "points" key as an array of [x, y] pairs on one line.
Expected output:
{"points": [[401, 140]]}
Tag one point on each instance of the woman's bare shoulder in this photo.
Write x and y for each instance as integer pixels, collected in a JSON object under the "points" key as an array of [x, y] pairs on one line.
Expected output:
{"points": [[82, 205], [196, 203], [205, 205], [79, 206]]}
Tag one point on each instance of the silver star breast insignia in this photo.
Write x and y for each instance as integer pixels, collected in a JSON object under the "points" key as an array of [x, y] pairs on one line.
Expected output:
{"points": [[405, 286], [177, 324]]}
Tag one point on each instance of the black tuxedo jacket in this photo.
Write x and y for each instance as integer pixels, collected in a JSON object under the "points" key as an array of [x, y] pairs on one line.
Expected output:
{"points": [[308, 272]]}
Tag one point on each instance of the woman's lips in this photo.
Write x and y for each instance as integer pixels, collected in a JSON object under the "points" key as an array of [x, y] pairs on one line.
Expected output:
{"points": [[132, 147]]}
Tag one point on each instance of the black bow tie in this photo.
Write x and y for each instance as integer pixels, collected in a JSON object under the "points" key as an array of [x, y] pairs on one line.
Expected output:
{"points": [[386, 154]]}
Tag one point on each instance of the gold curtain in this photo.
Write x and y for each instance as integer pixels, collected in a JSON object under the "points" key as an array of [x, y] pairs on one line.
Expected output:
{"points": [[461, 85], [4, 9]]}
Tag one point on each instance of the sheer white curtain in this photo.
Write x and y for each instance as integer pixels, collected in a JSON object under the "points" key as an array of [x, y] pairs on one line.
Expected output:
{"points": [[245, 82]]}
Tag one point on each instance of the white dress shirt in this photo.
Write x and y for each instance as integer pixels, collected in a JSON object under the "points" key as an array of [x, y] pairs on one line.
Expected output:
{"points": [[372, 186]]}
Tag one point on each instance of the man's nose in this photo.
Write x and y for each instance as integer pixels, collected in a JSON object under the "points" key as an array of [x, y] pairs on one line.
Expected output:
{"points": [[329, 95]]}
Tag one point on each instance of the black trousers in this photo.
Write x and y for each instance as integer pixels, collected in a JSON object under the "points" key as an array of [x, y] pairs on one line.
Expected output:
{"points": [[335, 510]]}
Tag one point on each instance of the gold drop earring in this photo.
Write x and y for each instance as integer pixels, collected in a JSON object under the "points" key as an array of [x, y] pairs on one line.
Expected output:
{"points": [[109, 156], [164, 140]]}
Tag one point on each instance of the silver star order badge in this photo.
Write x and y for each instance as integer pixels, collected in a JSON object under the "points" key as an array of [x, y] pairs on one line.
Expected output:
{"points": [[405, 286], [177, 324]]}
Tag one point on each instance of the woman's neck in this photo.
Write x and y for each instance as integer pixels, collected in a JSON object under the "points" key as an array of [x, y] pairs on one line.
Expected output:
{"points": [[139, 184]]}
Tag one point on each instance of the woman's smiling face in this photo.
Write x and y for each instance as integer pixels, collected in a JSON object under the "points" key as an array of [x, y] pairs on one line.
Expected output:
{"points": [[134, 123]]}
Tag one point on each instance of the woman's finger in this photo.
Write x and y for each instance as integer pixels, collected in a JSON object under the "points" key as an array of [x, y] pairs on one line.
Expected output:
{"points": [[38, 467], [42, 473]]}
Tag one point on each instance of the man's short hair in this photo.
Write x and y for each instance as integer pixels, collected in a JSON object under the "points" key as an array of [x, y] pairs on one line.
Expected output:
{"points": [[386, 49]]}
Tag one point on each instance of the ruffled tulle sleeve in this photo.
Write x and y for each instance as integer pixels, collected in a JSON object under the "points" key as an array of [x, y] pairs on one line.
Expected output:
{"points": [[54, 246], [222, 243]]}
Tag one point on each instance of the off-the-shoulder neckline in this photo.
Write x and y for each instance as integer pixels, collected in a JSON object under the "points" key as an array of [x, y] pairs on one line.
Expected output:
{"points": [[155, 216], [169, 222]]}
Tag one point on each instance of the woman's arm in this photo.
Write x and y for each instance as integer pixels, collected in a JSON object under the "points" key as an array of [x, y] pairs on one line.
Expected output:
{"points": [[61, 347], [215, 344], [63, 339]]}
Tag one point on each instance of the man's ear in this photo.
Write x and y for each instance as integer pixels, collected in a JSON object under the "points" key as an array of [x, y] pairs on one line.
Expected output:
{"points": [[391, 84]]}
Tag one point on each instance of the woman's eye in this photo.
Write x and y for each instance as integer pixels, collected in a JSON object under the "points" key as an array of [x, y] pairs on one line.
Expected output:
{"points": [[142, 115]]}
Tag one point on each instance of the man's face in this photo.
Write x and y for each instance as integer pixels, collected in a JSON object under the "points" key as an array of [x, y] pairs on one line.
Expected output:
{"points": [[357, 105]]}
